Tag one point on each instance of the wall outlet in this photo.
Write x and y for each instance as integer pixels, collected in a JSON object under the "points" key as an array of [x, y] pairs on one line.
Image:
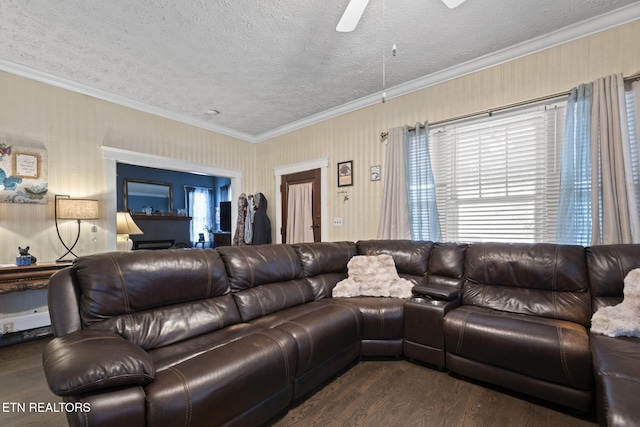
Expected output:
{"points": [[337, 222], [7, 328]]}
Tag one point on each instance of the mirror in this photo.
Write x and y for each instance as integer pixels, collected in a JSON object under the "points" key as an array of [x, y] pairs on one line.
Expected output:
{"points": [[148, 197]]}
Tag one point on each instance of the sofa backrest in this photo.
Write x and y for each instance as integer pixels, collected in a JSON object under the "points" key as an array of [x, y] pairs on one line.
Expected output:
{"points": [[608, 266], [155, 298], [325, 264], [540, 279], [445, 272], [265, 279], [411, 257]]}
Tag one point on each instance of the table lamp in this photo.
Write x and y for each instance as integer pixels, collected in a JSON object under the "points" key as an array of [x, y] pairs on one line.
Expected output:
{"points": [[125, 226], [76, 209]]}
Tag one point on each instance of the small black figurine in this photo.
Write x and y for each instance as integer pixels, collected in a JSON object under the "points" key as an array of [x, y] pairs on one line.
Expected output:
{"points": [[25, 252]]}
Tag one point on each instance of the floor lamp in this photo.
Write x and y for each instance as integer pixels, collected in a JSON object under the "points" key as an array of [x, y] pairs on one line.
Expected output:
{"points": [[125, 226], [77, 209]]}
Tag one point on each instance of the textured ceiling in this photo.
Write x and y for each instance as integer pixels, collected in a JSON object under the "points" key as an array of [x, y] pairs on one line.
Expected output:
{"points": [[264, 64]]}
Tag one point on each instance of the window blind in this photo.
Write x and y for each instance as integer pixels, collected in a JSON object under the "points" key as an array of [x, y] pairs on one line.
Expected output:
{"points": [[497, 178]]}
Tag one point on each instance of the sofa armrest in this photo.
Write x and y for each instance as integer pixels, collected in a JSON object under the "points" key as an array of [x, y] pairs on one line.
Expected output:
{"points": [[86, 361], [446, 293]]}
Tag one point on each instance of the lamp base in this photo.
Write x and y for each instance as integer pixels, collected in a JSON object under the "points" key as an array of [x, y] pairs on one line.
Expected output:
{"points": [[123, 243]]}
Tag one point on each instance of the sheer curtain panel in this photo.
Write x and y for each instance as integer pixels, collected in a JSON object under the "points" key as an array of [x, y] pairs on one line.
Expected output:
{"points": [[394, 218], [300, 213], [425, 224], [574, 210]]}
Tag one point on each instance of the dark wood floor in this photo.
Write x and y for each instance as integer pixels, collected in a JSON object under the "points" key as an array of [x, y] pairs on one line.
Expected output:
{"points": [[371, 393]]}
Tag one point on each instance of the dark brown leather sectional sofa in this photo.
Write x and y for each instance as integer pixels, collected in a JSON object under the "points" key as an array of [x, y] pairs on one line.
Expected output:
{"points": [[232, 336]]}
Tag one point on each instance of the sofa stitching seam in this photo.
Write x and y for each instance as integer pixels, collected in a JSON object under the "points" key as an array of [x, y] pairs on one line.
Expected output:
{"points": [[563, 356], [187, 392], [284, 353], [125, 294], [462, 330]]}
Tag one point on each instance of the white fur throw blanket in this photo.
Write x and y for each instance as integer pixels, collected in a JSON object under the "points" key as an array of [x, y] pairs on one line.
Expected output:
{"points": [[622, 319], [373, 275]]}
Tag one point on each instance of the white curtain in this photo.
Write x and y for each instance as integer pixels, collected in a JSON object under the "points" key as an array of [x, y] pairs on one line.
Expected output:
{"points": [[394, 218], [199, 204], [300, 213], [613, 198]]}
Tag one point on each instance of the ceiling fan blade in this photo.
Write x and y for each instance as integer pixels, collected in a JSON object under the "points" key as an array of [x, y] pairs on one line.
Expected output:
{"points": [[452, 4], [352, 15]]}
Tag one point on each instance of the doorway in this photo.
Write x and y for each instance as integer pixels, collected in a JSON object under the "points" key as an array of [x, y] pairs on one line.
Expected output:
{"points": [[295, 181], [113, 156]]}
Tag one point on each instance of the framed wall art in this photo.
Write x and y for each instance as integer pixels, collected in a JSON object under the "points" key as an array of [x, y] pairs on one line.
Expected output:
{"points": [[345, 173], [23, 174], [374, 173]]}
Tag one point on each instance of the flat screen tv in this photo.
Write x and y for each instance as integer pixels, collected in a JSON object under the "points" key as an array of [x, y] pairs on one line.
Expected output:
{"points": [[225, 216]]}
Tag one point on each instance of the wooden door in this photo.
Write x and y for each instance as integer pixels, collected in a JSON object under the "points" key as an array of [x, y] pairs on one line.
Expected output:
{"points": [[312, 176]]}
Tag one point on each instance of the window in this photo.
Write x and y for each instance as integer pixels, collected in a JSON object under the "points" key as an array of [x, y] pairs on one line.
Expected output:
{"points": [[630, 95], [200, 209], [497, 178]]}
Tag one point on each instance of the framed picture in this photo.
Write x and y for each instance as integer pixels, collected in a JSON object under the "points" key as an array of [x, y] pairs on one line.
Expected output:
{"points": [[26, 165], [23, 174], [345, 173], [375, 173]]}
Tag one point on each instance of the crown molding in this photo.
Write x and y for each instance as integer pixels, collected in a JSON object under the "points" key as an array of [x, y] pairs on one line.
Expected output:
{"points": [[50, 79], [568, 34]]}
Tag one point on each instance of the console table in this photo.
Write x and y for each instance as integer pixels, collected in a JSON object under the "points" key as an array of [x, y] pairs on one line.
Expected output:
{"points": [[27, 278]]}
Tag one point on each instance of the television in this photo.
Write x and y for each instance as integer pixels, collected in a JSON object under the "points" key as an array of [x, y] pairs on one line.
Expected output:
{"points": [[225, 216]]}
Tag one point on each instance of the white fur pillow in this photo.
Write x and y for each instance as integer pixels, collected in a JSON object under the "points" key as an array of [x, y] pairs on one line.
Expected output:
{"points": [[622, 319], [373, 275]]}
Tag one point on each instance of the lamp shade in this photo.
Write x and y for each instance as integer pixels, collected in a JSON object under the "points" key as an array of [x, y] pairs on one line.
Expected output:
{"points": [[77, 209], [125, 224]]}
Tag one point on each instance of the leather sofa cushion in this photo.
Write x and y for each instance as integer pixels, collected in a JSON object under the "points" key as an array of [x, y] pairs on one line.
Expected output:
{"points": [[548, 349], [170, 355], [218, 385], [325, 257], [163, 326], [411, 257], [540, 279], [383, 318], [320, 330], [616, 364], [272, 297], [89, 361], [608, 266], [445, 272], [323, 284], [250, 266], [325, 264], [121, 283]]}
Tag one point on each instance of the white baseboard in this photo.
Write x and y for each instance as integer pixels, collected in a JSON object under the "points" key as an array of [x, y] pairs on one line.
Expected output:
{"points": [[26, 322]]}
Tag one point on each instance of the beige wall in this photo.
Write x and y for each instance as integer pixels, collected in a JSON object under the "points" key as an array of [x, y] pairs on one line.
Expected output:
{"points": [[355, 136], [73, 127]]}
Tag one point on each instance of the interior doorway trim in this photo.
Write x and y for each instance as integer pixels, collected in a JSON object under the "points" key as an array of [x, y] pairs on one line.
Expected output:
{"points": [[113, 156], [323, 165]]}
